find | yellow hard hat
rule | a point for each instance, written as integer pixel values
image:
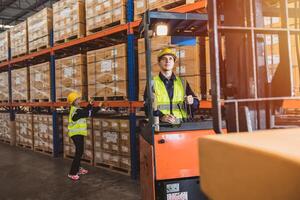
(167, 51)
(72, 97)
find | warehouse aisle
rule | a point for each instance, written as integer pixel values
(28, 175)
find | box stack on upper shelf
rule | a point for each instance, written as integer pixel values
(68, 20)
(20, 84)
(103, 14)
(40, 82)
(69, 147)
(112, 144)
(140, 6)
(39, 28)
(187, 64)
(19, 39)
(3, 87)
(4, 45)
(24, 131)
(6, 129)
(107, 73)
(71, 76)
(43, 133)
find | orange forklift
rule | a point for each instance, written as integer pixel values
(250, 58)
(169, 161)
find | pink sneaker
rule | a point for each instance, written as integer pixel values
(82, 171)
(74, 177)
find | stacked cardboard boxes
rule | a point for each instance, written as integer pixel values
(20, 84)
(24, 130)
(187, 64)
(107, 72)
(43, 133)
(4, 45)
(71, 76)
(140, 6)
(69, 147)
(5, 128)
(100, 14)
(4, 87)
(68, 20)
(19, 39)
(112, 144)
(40, 82)
(39, 27)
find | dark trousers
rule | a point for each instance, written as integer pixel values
(79, 145)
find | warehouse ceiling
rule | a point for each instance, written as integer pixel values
(13, 12)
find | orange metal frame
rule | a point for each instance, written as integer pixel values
(178, 156)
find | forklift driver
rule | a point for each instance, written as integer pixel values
(174, 96)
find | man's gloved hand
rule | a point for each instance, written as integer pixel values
(189, 99)
(169, 119)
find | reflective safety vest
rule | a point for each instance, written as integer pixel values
(78, 127)
(163, 101)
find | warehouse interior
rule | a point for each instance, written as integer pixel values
(240, 59)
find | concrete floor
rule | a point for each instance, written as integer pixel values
(28, 175)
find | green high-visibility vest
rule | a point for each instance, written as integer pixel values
(78, 127)
(163, 101)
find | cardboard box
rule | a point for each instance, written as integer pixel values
(4, 86)
(39, 28)
(4, 45)
(40, 81)
(71, 76)
(20, 84)
(68, 20)
(19, 39)
(260, 165)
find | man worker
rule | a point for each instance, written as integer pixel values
(171, 92)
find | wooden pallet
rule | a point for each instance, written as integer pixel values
(25, 146)
(43, 151)
(20, 101)
(20, 55)
(100, 28)
(5, 141)
(3, 101)
(113, 168)
(39, 48)
(73, 37)
(40, 100)
(109, 98)
(61, 99)
(71, 157)
(4, 60)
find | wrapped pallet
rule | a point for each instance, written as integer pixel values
(20, 84)
(4, 45)
(40, 82)
(19, 39)
(39, 28)
(100, 14)
(68, 20)
(112, 144)
(43, 133)
(24, 130)
(4, 87)
(71, 76)
(6, 130)
(187, 64)
(69, 147)
(107, 73)
(140, 6)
